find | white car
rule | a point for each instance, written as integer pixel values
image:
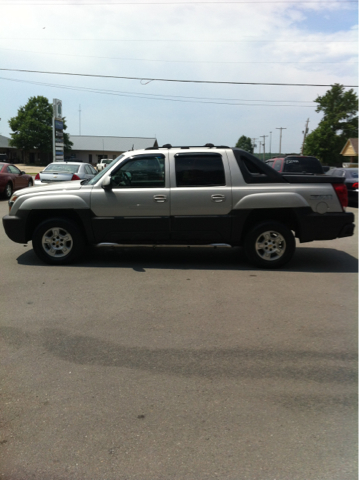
(103, 164)
(64, 172)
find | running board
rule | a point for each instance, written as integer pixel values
(215, 245)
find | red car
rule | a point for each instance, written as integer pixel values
(11, 179)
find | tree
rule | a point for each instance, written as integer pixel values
(339, 123)
(32, 127)
(245, 143)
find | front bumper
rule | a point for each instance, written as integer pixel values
(15, 226)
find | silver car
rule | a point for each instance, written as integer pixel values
(64, 172)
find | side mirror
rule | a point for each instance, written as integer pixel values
(107, 184)
(22, 173)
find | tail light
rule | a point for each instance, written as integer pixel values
(75, 177)
(342, 193)
(37, 177)
(355, 186)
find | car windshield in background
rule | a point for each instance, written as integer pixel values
(63, 168)
(352, 172)
(97, 177)
(301, 164)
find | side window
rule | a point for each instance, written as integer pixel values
(277, 165)
(141, 172)
(12, 169)
(199, 170)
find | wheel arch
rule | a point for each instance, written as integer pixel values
(81, 217)
(286, 216)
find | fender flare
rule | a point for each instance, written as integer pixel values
(271, 200)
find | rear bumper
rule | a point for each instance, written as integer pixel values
(316, 226)
(15, 227)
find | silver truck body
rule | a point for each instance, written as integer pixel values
(114, 208)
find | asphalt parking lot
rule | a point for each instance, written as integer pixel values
(179, 363)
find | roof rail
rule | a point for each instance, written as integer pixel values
(168, 146)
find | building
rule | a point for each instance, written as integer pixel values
(8, 154)
(92, 149)
(86, 148)
(351, 150)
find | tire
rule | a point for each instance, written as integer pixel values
(269, 245)
(58, 241)
(30, 184)
(8, 191)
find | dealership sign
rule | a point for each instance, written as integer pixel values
(57, 131)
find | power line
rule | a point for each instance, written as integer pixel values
(145, 79)
(173, 98)
(325, 2)
(43, 39)
(349, 62)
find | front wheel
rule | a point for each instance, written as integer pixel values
(8, 191)
(58, 241)
(269, 245)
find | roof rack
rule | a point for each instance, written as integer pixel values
(168, 146)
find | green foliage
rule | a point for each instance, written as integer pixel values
(245, 143)
(339, 123)
(32, 127)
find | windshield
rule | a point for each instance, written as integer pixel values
(352, 172)
(62, 167)
(97, 177)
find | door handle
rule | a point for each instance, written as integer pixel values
(160, 198)
(217, 198)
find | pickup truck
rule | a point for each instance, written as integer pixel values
(103, 164)
(182, 196)
(296, 164)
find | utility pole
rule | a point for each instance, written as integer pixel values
(79, 119)
(270, 144)
(305, 134)
(280, 138)
(264, 146)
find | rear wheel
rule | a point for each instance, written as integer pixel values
(58, 241)
(269, 245)
(31, 183)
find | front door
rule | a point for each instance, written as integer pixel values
(137, 207)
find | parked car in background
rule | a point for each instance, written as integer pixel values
(64, 172)
(351, 181)
(12, 179)
(103, 164)
(296, 164)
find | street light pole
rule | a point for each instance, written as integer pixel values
(280, 138)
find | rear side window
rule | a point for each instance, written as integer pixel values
(277, 165)
(196, 170)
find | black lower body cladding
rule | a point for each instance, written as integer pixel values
(327, 226)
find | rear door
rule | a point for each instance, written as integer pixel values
(201, 197)
(18, 179)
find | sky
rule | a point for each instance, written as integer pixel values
(236, 46)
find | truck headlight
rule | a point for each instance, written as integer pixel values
(12, 201)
